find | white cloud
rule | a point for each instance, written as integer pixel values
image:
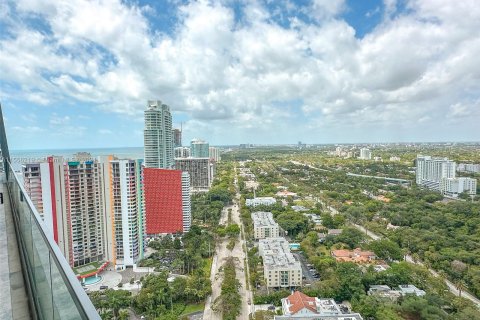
(245, 73)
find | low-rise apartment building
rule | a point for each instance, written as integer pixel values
(281, 269)
(264, 226)
(259, 201)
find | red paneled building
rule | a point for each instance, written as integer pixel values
(167, 201)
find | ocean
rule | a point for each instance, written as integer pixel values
(19, 157)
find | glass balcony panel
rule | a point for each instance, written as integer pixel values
(43, 285)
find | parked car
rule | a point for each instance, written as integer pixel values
(103, 287)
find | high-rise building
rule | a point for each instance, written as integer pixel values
(158, 140)
(45, 185)
(177, 138)
(93, 208)
(199, 149)
(124, 211)
(431, 171)
(200, 170)
(167, 201)
(214, 154)
(365, 154)
(182, 152)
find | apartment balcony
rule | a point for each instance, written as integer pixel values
(36, 280)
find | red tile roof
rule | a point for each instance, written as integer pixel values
(299, 300)
(356, 255)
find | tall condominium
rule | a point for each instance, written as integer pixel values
(71, 202)
(182, 152)
(93, 208)
(83, 182)
(199, 149)
(214, 154)
(177, 138)
(124, 211)
(431, 171)
(45, 184)
(158, 140)
(200, 170)
(167, 201)
(365, 154)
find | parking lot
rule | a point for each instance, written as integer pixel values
(310, 275)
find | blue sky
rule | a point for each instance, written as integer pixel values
(78, 73)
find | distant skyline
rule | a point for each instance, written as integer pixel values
(78, 74)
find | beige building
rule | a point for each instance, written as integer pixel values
(281, 269)
(264, 226)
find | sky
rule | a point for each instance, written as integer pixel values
(78, 74)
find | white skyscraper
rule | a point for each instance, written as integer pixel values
(365, 154)
(158, 138)
(124, 211)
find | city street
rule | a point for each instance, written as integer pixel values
(219, 258)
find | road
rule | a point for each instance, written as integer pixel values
(453, 289)
(218, 259)
(221, 253)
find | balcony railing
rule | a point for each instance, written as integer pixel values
(52, 288)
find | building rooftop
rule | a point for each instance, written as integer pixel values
(276, 254)
(300, 306)
(263, 219)
(357, 255)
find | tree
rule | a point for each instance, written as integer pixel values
(117, 299)
(177, 244)
(232, 230)
(386, 249)
(352, 237)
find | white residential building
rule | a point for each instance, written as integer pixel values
(281, 269)
(454, 186)
(214, 154)
(182, 152)
(258, 201)
(365, 154)
(394, 158)
(431, 171)
(125, 223)
(264, 226)
(468, 167)
(186, 202)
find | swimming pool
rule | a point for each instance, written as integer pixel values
(92, 280)
(294, 246)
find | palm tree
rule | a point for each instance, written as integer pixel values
(461, 286)
(123, 315)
